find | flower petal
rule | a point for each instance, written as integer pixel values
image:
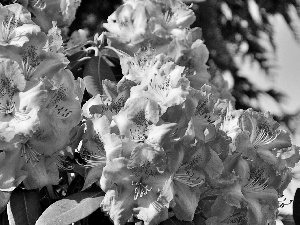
(186, 199)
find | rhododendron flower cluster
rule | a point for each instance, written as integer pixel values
(164, 141)
(40, 101)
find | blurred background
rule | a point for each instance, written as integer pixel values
(254, 44)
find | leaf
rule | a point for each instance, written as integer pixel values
(95, 71)
(174, 221)
(24, 207)
(77, 60)
(4, 198)
(71, 209)
(3, 218)
(214, 167)
(93, 176)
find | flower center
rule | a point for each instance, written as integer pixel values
(263, 136)
(8, 25)
(29, 153)
(140, 132)
(140, 189)
(8, 108)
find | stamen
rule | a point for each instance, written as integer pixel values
(8, 108)
(41, 5)
(237, 218)
(256, 181)
(91, 160)
(158, 206)
(30, 154)
(188, 179)
(140, 189)
(62, 163)
(263, 137)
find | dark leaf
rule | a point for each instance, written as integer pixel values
(71, 209)
(4, 198)
(24, 207)
(77, 60)
(174, 221)
(95, 71)
(3, 218)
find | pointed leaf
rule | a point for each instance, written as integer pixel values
(93, 175)
(77, 60)
(174, 221)
(4, 198)
(95, 71)
(24, 207)
(3, 218)
(71, 209)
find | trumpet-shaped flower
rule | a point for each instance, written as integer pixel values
(169, 16)
(128, 25)
(203, 109)
(62, 11)
(188, 174)
(189, 51)
(112, 102)
(260, 135)
(136, 23)
(136, 117)
(252, 190)
(38, 58)
(59, 114)
(11, 83)
(134, 191)
(15, 24)
(165, 85)
(10, 174)
(93, 147)
(42, 173)
(65, 97)
(229, 123)
(138, 67)
(22, 118)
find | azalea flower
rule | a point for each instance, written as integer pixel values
(229, 123)
(253, 190)
(62, 11)
(172, 15)
(188, 174)
(10, 174)
(137, 67)
(15, 24)
(36, 58)
(111, 102)
(12, 82)
(260, 135)
(189, 51)
(19, 116)
(165, 85)
(137, 23)
(128, 24)
(134, 191)
(202, 109)
(139, 121)
(65, 96)
(92, 150)
(77, 39)
(43, 172)
(50, 111)
(58, 116)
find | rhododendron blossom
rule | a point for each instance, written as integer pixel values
(133, 119)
